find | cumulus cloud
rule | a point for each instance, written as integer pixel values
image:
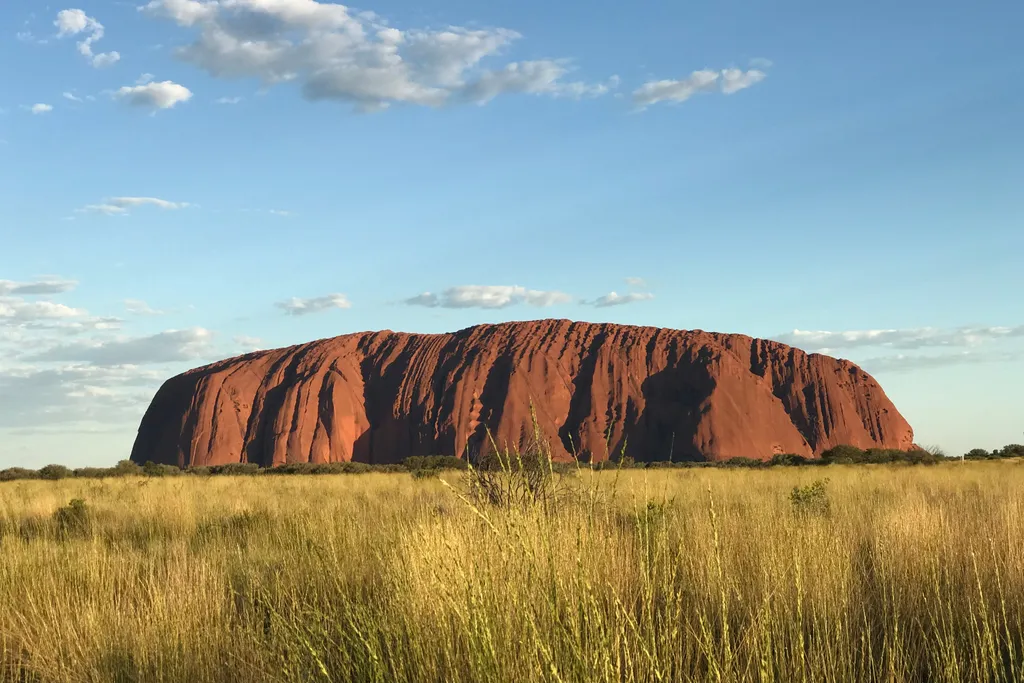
(164, 347)
(616, 299)
(19, 311)
(154, 95)
(337, 54)
(68, 396)
(727, 81)
(912, 338)
(488, 296)
(119, 206)
(73, 22)
(43, 286)
(63, 369)
(23, 321)
(41, 108)
(297, 306)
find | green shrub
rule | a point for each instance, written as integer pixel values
(55, 472)
(16, 473)
(93, 472)
(125, 468)
(152, 469)
(236, 469)
(741, 462)
(843, 454)
(787, 460)
(811, 500)
(1013, 450)
(74, 519)
(390, 468)
(434, 462)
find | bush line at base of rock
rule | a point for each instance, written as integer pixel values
(428, 465)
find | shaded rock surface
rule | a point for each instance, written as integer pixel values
(597, 390)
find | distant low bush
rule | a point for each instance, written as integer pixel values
(787, 460)
(852, 455)
(55, 472)
(236, 469)
(152, 469)
(434, 462)
(837, 455)
(741, 462)
(16, 473)
(93, 472)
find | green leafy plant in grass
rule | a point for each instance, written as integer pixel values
(811, 500)
(73, 519)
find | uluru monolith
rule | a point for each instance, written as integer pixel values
(597, 390)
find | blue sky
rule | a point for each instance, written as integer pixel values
(185, 180)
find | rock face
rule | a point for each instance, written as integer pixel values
(596, 389)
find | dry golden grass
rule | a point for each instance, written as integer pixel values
(916, 574)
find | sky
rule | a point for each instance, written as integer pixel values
(186, 180)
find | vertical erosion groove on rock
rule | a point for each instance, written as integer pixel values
(597, 390)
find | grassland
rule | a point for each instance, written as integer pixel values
(908, 574)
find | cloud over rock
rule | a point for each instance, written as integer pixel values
(335, 53)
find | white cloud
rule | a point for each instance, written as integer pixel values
(184, 12)
(62, 369)
(907, 363)
(761, 63)
(636, 282)
(734, 80)
(542, 77)
(72, 395)
(119, 206)
(488, 296)
(164, 347)
(249, 344)
(297, 306)
(727, 81)
(138, 307)
(154, 95)
(19, 311)
(43, 286)
(41, 108)
(147, 201)
(913, 338)
(72, 22)
(337, 54)
(72, 97)
(280, 212)
(29, 37)
(228, 100)
(615, 299)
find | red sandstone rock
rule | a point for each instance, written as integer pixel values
(379, 397)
